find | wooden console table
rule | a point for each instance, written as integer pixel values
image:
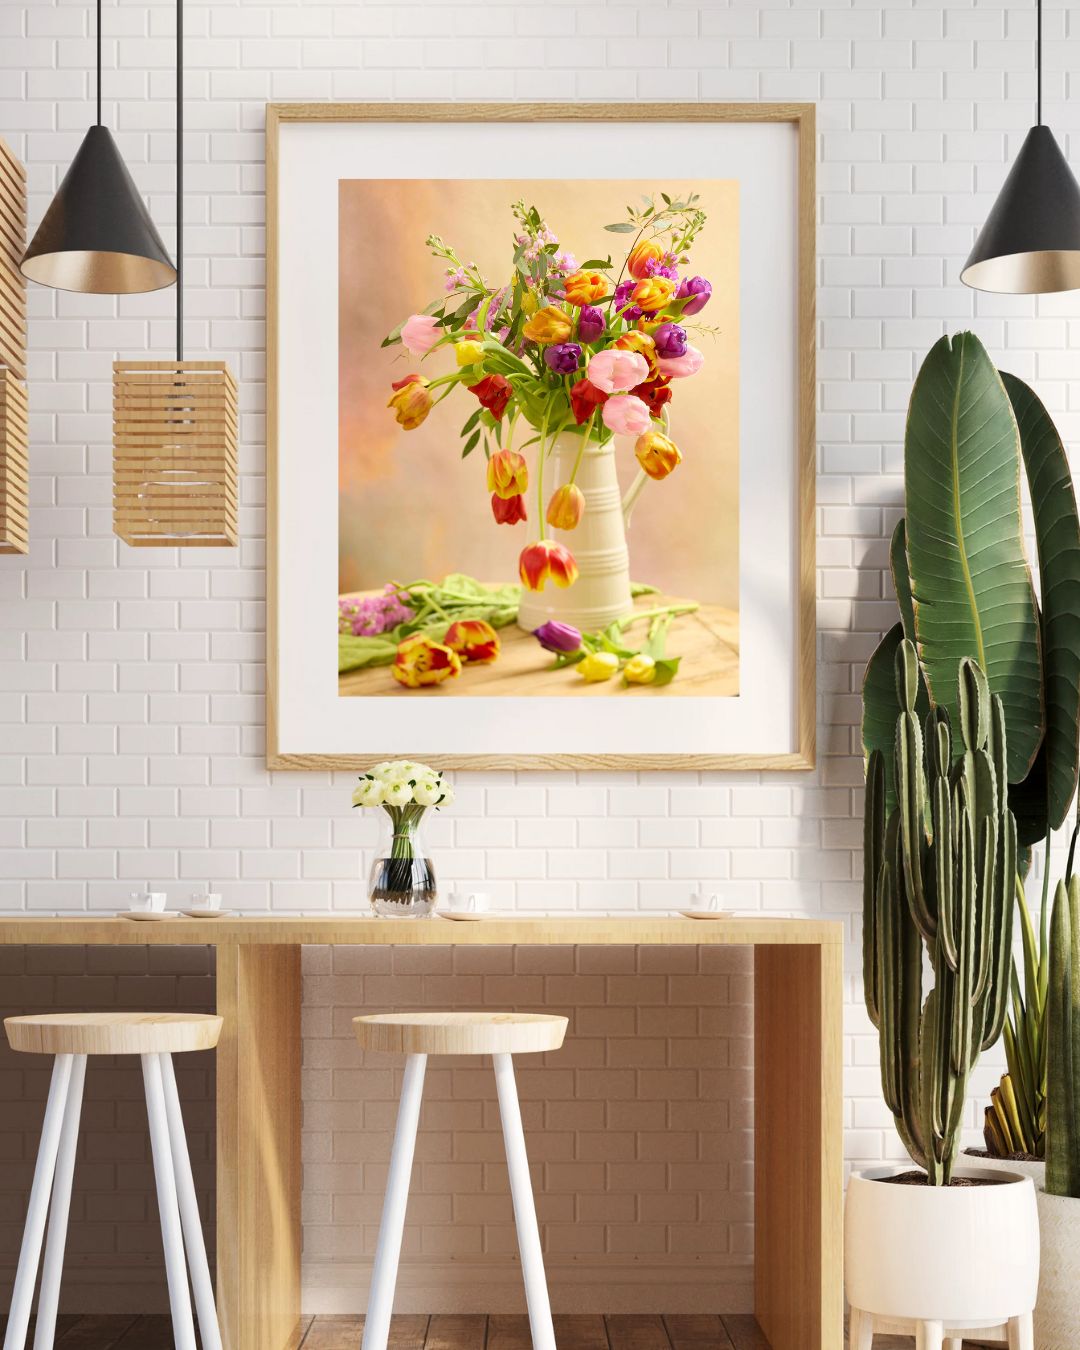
(798, 1183)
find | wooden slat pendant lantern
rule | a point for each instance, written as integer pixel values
(14, 412)
(174, 453)
(175, 423)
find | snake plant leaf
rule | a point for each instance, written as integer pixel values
(971, 586)
(1057, 534)
(881, 708)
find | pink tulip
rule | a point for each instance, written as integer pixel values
(626, 415)
(419, 333)
(612, 370)
(678, 367)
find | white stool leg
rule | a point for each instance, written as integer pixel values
(860, 1330)
(22, 1295)
(929, 1335)
(171, 1233)
(1021, 1333)
(517, 1164)
(53, 1265)
(392, 1226)
(189, 1212)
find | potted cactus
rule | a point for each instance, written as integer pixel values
(1057, 1314)
(943, 1248)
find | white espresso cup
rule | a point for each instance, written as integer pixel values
(709, 903)
(476, 902)
(141, 901)
(207, 900)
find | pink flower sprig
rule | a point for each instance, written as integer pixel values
(372, 615)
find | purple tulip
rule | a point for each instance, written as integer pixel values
(590, 324)
(563, 357)
(558, 637)
(622, 295)
(699, 289)
(670, 340)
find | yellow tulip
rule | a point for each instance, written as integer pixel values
(597, 666)
(566, 507)
(548, 325)
(641, 255)
(653, 293)
(469, 352)
(657, 454)
(640, 669)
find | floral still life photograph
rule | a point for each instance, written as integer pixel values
(538, 448)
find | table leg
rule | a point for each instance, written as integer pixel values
(258, 1146)
(798, 1168)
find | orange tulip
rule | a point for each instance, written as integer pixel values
(653, 293)
(647, 251)
(411, 401)
(421, 662)
(566, 507)
(508, 474)
(546, 561)
(474, 640)
(585, 288)
(657, 454)
(641, 343)
(548, 325)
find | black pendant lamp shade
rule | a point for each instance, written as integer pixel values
(1030, 244)
(97, 235)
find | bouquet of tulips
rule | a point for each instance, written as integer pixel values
(591, 349)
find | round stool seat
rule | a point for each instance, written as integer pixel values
(113, 1033)
(460, 1033)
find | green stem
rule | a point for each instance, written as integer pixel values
(540, 470)
(673, 610)
(584, 443)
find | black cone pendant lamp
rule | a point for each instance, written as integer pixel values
(1030, 244)
(97, 236)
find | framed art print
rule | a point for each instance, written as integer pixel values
(541, 435)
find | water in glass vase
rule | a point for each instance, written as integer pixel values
(402, 883)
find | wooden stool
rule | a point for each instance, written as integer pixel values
(417, 1035)
(154, 1037)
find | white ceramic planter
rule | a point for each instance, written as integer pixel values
(601, 594)
(941, 1260)
(1057, 1310)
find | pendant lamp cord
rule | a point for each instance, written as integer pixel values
(1038, 62)
(179, 179)
(99, 62)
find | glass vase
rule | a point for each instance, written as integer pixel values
(401, 884)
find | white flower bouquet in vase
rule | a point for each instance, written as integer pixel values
(401, 883)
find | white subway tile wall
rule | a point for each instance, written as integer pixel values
(131, 683)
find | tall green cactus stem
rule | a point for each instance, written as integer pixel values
(1063, 1047)
(940, 872)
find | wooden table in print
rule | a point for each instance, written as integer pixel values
(706, 641)
(798, 1185)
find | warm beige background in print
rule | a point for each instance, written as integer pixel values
(410, 506)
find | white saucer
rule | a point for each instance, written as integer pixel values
(465, 915)
(706, 913)
(206, 913)
(145, 915)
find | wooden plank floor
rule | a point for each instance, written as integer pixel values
(459, 1332)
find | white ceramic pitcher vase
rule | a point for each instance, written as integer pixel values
(601, 593)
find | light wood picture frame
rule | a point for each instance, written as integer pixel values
(308, 727)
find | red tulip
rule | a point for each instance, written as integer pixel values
(654, 394)
(474, 640)
(585, 398)
(508, 510)
(494, 393)
(546, 561)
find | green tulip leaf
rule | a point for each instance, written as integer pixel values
(1057, 534)
(971, 586)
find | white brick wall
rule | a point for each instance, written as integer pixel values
(131, 704)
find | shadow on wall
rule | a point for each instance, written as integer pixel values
(113, 1260)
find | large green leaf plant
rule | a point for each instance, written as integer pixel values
(965, 591)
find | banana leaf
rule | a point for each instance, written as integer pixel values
(971, 586)
(901, 580)
(1057, 533)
